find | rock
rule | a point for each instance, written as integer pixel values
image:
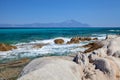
(108, 65)
(39, 45)
(115, 65)
(81, 59)
(74, 40)
(49, 68)
(92, 57)
(113, 46)
(78, 39)
(17, 63)
(89, 45)
(101, 52)
(85, 39)
(111, 36)
(58, 41)
(5, 47)
(90, 73)
(11, 70)
(10, 73)
(93, 46)
(102, 62)
(103, 65)
(95, 38)
(116, 54)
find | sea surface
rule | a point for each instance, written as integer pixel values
(24, 39)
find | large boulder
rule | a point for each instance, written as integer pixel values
(58, 41)
(6, 47)
(49, 68)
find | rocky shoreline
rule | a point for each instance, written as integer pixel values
(101, 60)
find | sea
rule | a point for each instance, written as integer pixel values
(26, 38)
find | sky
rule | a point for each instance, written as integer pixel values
(98, 13)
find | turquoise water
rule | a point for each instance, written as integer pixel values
(26, 35)
(26, 39)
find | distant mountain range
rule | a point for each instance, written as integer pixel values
(68, 23)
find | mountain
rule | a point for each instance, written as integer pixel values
(68, 23)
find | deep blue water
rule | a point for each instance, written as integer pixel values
(27, 35)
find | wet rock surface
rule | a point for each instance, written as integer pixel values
(74, 40)
(6, 47)
(39, 45)
(11, 70)
(92, 46)
(58, 41)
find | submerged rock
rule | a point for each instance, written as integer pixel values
(6, 47)
(11, 70)
(39, 45)
(58, 41)
(17, 63)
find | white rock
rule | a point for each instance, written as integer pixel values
(81, 59)
(51, 69)
(113, 46)
(111, 36)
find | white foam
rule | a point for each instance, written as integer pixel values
(27, 50)
(48, 41)
(99, 36)
(114, 30)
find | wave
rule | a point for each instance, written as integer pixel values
(114, 30)
(27, 50)
(99, 36)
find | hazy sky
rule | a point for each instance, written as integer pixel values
(93, 12)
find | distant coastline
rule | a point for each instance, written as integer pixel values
(49, 27)
(68, 23)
